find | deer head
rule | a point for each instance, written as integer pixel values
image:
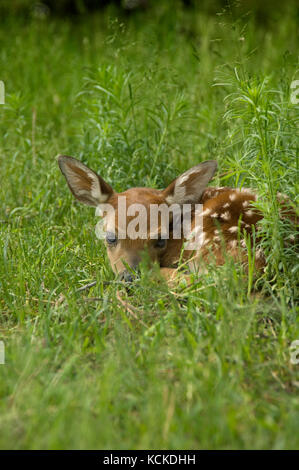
(132, 211)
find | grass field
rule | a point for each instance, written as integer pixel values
(140, 98)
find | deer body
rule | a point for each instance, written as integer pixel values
(227, 213)
(227, 216)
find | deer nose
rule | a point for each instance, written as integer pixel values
(128, 276)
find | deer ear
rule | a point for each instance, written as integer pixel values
(188, 188)
(88, 187)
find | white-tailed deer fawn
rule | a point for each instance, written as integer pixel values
(227, 215)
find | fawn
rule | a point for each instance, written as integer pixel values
(227, 215)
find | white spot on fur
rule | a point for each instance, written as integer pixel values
(233, 229)
(226, 205)
(249, 213)
(233, 196)
(214, 215)
(226, 215)
(233, 243)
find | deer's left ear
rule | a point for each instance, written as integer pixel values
(188, 188)
(88, 187)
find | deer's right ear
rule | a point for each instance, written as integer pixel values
(189, 187)
(88, 187)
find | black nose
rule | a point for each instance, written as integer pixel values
(127, 276)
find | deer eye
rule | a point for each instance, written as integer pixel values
(160, 243)
(111, 238)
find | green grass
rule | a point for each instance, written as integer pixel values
(140, 99)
